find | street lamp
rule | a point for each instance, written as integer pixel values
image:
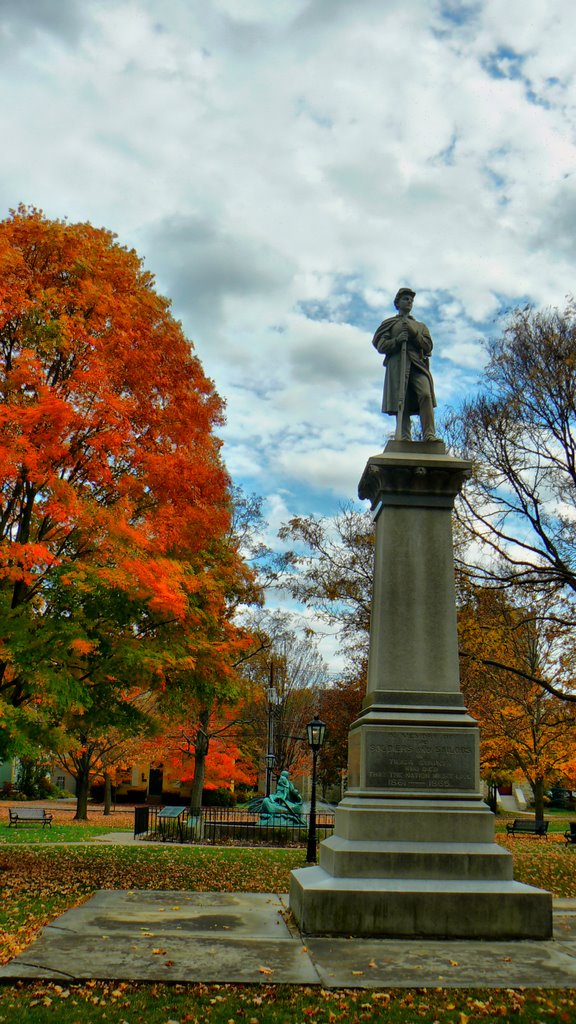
(272, 700)
(315, 734)
(270, 758)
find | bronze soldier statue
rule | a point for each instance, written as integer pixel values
(408, 386)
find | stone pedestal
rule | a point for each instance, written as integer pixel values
(413, 852)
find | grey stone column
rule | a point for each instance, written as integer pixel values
(413, 639)
(431, 745)
(413, 850)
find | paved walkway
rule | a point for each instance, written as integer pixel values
(249, 938)
(118, 839)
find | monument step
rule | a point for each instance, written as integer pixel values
(441, 860)
(410, 820)
(418, 907)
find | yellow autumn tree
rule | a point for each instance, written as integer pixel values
(508, 652)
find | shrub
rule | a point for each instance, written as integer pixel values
(218, 798)
(33, 778)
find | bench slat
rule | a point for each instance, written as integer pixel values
(535, 828)
(31, 814)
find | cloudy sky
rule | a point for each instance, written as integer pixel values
(283, 166)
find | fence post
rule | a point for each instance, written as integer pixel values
(140, 820)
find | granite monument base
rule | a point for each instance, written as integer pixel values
(418, 908)
(413, 853)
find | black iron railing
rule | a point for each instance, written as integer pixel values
(224, 826)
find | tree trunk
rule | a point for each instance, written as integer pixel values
(201, 744)
(539, 798)
(198, 783)
(492, 800)
(82, 787)
(82, 764)
(107, 793)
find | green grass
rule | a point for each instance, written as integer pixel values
(558, 822)
(232, 1004)
(80, 833)
(560, 812)
(39, 884)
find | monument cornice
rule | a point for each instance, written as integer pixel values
(413, 473)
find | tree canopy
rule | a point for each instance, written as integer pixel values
(517, 514)
(330, 569)
(116, 558)
(520, 433)
(523, 728)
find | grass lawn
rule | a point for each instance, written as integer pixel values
(39, 883)
(64, 829)
(121, 817)
(122, 1003)
(77, 832)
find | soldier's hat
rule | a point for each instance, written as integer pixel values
(403, 291)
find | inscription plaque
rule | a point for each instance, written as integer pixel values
(398, 759)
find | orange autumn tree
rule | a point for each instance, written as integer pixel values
(204, 750)
(197, 738)
(232, 725)
(191, 733)
(116, 565)
(507, 652)
(339, 706)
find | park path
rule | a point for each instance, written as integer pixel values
(143, 935)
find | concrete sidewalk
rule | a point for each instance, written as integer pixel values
(249, 938)
(118, 839)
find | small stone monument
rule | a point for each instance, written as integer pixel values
(413, 851)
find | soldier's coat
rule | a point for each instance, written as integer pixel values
(419, 347)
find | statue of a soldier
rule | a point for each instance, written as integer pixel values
(408, 386)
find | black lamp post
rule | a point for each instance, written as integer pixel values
(272, 698)
(270, 758)
(315, 734)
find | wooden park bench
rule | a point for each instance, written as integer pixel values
(527, 826)
(570, 834)
(30, 814)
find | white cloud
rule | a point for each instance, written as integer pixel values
(34, 21)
